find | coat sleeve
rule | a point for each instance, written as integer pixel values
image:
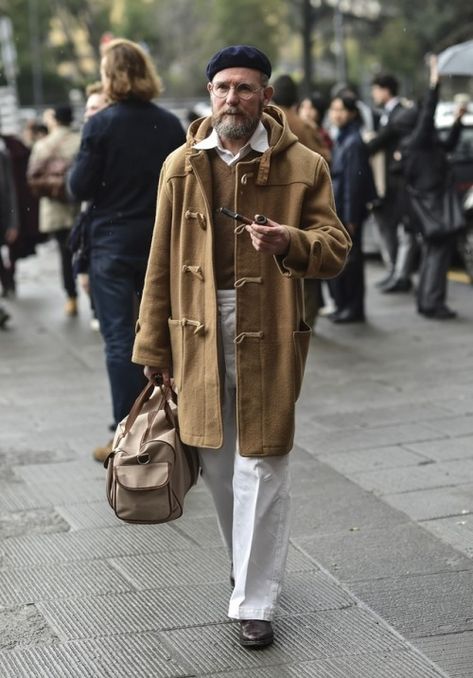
(320, 246)
(152, 342)
(385, 136)
(87, 170)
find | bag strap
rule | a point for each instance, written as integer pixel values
(166, 394)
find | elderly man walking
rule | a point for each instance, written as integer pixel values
(222, 311)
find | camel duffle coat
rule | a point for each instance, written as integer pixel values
(178, 321)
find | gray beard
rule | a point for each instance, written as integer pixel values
(233, 130)
(226, 126)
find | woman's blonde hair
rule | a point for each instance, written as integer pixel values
(129, 71)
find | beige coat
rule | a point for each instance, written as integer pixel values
(64, 143)
(177, 324)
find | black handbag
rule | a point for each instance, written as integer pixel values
(437, 214)
(78, 244)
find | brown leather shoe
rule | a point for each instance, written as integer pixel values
(101, 453)
(70, 307)
(255, 633)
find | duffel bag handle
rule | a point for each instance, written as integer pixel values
(145, 395)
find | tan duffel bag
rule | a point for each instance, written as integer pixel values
(150, 470)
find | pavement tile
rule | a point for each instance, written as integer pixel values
(305, 592)
(24, 626)
(316, 513)
(456, 531)
(66, 472)
(52, 493)
(372, 459)
(374, 417)
(151, 610)
(446, 449)
(454, 651)
(140, 656)
(355, 439)
(172, 568)
(32, 521)
(406, 479)
(387, 665)
(88, 516)
(201, 531)
(371, 554)
(90, 544)
(30, 585)
(422, 605)
(432, 503)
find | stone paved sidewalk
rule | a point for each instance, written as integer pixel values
(380, 576)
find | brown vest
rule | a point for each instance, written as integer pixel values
(223, 184)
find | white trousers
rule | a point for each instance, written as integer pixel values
(251, 496)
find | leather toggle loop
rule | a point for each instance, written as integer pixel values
(243, 281)
(195, 270)
(201, 219)
(193, 323)
(247, 335)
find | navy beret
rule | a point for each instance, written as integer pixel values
(238, 56)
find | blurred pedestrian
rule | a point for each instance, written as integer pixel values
(428, 175)
(117, 170)
(96, 100)
(33, 131)
(312, 110)
(8, 214)
(398, 246)
(24, 244)
(353, 189)
(57, 215)
(286, 97)
(222, 310)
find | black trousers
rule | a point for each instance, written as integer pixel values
(62, 237)
(435, 261)
(348, 288)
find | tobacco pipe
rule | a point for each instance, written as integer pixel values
(259, 218)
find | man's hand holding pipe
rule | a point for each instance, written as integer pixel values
(269, 238)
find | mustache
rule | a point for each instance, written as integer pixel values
(232, 110)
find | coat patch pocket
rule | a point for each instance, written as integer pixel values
(186, 344)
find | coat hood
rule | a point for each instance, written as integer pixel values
(280, 138)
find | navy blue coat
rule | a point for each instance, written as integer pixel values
(352, 178)
(117, 169)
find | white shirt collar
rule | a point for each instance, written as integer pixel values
(258, 142)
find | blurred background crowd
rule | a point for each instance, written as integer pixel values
(353, 77)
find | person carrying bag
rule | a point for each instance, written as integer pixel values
(434, 209)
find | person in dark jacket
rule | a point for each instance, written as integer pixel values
(398, 246)
(117, 168)
(8, 213)
(28, 237)
(426, 170)
(353, 189)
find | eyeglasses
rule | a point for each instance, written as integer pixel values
(242, 90)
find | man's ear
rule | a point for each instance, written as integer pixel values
(268, 94)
